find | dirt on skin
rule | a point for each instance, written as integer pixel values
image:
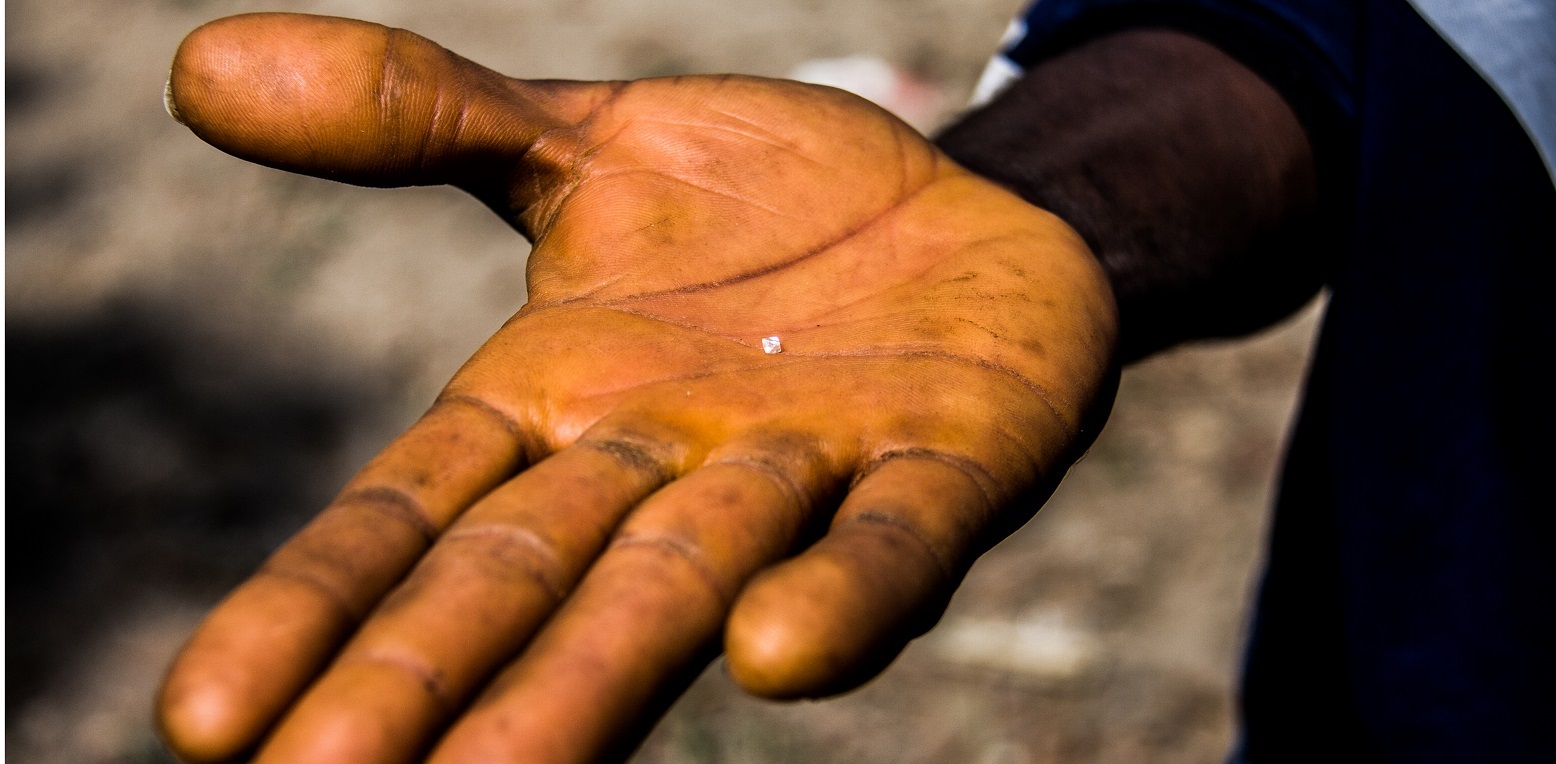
(200, 351)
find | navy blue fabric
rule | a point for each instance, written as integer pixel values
(1408, 610)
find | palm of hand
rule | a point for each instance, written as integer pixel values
(942, 344)
(696, 216)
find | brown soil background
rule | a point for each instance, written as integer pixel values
(199, 351)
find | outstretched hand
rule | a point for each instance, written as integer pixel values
(621, 475)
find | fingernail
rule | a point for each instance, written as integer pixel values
(167, 100)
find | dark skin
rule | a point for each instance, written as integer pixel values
(621, 478)
(1187, 174)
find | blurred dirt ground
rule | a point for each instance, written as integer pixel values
(200, 351)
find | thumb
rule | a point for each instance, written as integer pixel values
(366, 104)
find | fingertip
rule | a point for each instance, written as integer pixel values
(205, 710)
(785, 640)
(766, 658)
(242, 667)
(211, 57)
(370, 709)
(832, 618)
(287, 90)
(196, 722)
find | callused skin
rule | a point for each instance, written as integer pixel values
(621, 475)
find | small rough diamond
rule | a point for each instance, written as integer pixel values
(771, 345)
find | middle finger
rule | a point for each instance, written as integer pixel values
(640, 616)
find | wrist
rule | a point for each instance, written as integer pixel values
(1187, 175)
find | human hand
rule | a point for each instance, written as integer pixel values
(621, 475)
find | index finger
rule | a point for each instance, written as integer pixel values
(267, 640)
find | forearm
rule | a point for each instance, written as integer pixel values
(1188, 175)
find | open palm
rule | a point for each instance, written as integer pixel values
(621, 475)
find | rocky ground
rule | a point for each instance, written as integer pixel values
(200, 351)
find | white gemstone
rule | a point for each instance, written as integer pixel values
(771, 345)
